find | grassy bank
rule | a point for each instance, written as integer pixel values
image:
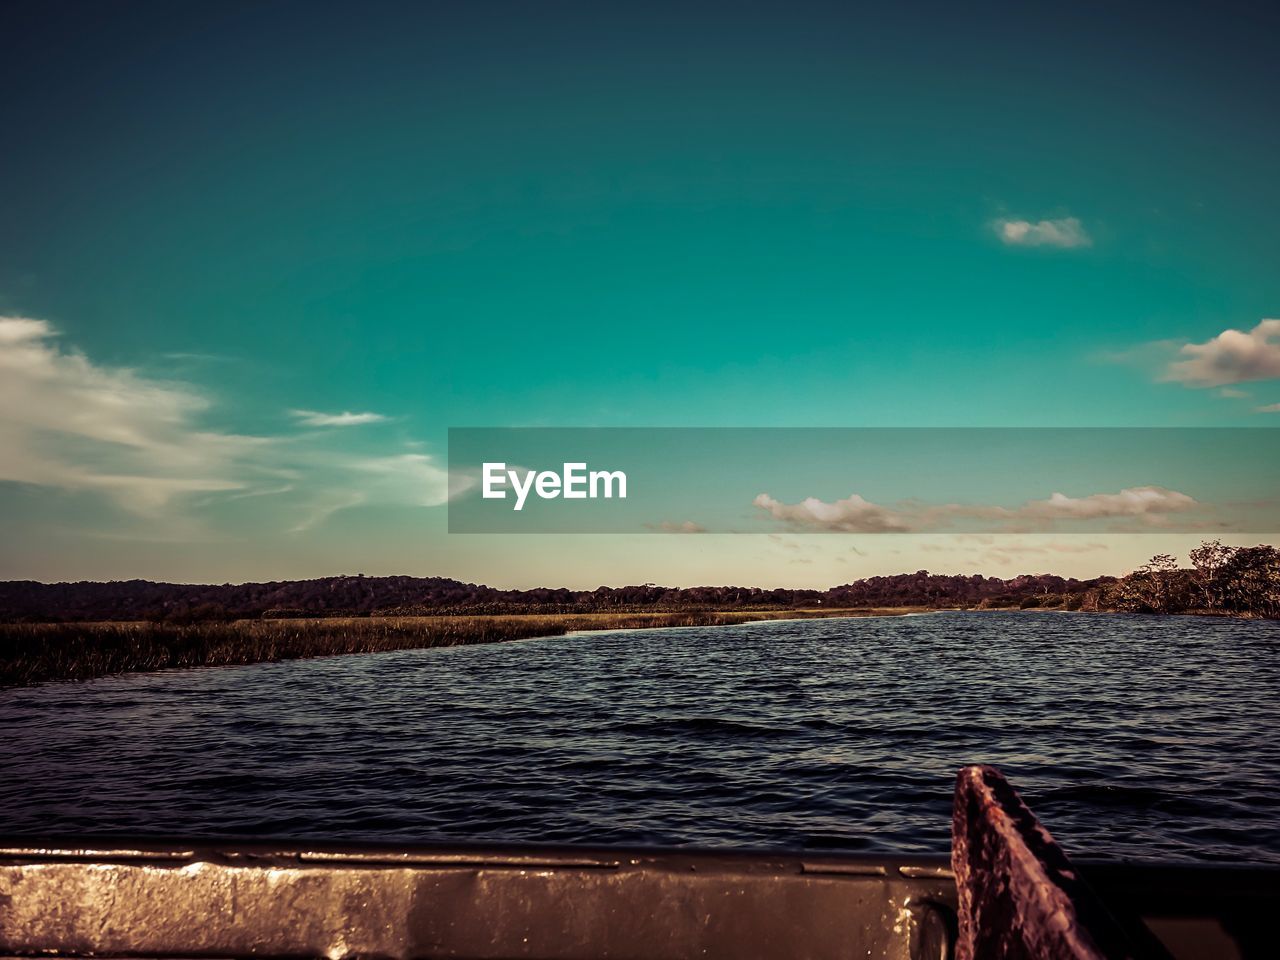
(37, 653)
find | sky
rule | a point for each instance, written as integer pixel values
(256, 259)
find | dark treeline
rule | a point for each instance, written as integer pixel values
(31, 601)
(1221, 579)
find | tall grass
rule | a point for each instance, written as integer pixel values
(36, 653)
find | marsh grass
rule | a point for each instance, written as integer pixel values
(37, 653)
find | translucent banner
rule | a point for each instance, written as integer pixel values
(864, 480)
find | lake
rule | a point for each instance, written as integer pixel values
(1151, 738)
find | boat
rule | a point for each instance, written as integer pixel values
(1007, 891)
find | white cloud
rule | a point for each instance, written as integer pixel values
(413, 478)
(406, 479)
(1269, 408)
(851, 515)
(314, 418)
(66, 422)
(1233, 356)
(18, 330)
(1232, 394)
(1149, 505)
(1067, 232)
(1143, 502)
(71, 424)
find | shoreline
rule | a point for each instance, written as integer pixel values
(33, 654)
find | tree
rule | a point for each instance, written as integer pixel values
(1208, 561)
(1158, 586)
(1251, 581)
(1160, 571)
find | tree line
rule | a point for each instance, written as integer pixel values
(355, 596)
(1221, 579)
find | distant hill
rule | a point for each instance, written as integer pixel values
(31, 601)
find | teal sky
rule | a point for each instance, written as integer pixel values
(603, 215)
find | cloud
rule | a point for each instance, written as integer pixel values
(1067, 233)
(1025, 548)
(1002, 549)
(1007, 554)
(66, 422)
(851, 515)
(194, 357)
(1269, 408)
(1233, 356)
(406, 479)
(1146, 502)
(146, 446)
(19, 330)
(667, 526)
(1233, 394)
(314, 418)
(1150, 505)
(1150, 355)
(1030, 548)
(412, 478)
(322, 508)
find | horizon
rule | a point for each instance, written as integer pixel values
(541, 586)
(599, 586)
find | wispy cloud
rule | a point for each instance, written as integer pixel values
(197, 357)
(1005, 555)
(1233, 356)
(1004, 550)
(1269, 408)
(1152, 355)
(148, 445)
(1001, 544)
(321, 508)
(669, 526)
(66, 422)
(314, 418)
(1149, 505)
(1067, 232)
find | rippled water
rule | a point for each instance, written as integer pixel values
(1152, 738)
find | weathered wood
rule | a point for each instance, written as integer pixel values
(1019, 896)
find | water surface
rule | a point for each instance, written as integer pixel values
(1150, 738)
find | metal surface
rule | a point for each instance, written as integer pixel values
(288, 900)
(270, 900)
